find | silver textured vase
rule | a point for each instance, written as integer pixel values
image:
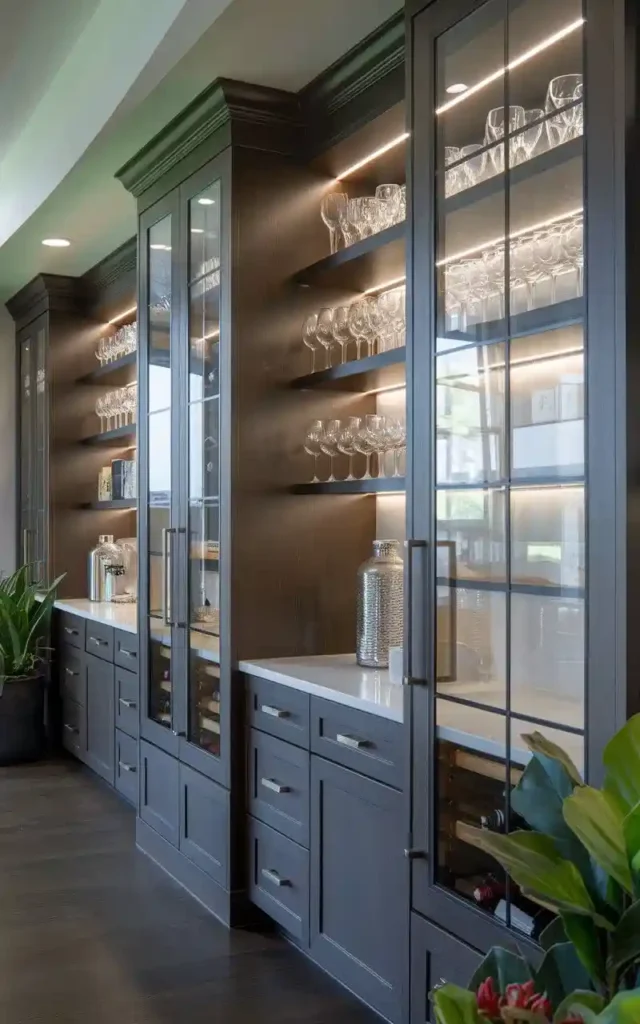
(380, 605)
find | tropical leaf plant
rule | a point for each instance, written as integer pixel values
(25, 617)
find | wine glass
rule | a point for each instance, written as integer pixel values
(391, 196)
(309, 338)
(349, 221)
(101, 411)
(372, 212)
(501, 121)
(474, 167)
(331, 208)
(451, 177)
(562, 91)
(324, 331)
(374, 424)
(455, 286)
(377, 321)
(396, 434)
(130, 402)
(402, 213)
(494, 266)
(363, 444)
(312, 446)
(341, 330)
(101, 351)
(573, 246)
(329, 443)
(345, 441)
(547, 254)
(526, 141)
(524, 267)
(359, 322)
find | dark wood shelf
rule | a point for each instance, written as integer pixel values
(366, 264)
(117, 372)
(385, 370)
(534, 321)
(377, 485)
(112, 437)
(104, 506)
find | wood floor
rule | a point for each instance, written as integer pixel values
(92, 932)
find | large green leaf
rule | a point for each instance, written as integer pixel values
(578, 1002)
(583, 933)
(505, 967)
(597, 820)
(623, 1009)
(534, 863)
(539, 744)
(624, 941)
(560, 973)
(622, 762)
(454, 1005)
(631, 830)
(553, 934)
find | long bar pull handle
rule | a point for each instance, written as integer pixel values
(127, 703)
(411, 546)
(274, 786)
(274, 877)
(267, 709)
(166, 575)
(351, 741)
(124, 767)
(25, 546)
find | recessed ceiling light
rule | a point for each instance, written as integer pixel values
(197, 231)
(56, 243)
(158, 245)
(456, 88)
(205, 201)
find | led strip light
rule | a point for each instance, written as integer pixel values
(516, 234)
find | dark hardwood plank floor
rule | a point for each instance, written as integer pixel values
(92, 931)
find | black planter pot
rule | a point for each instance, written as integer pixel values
(22, 720)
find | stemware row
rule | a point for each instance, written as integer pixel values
(525, 128)
(373, 323)
(475, 286)
(119, 405)
(350, 220)
(368, 436)
(120, 344)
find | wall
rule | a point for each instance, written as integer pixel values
(7, 443)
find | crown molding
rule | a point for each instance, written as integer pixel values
(46, 293)
(121, 261)
(266, 118)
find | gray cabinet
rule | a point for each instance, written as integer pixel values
(359, 916)
(74, 728)
(100, 712)
(436, 956)
(126, 767)
(279, 785)
(204, 823)
(33, 464)
(279, 879)
(160, 792)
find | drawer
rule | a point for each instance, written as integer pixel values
(279, 785)
(127, 702)
(99, 640)
(125, 649)
(279, 710)
(74, 728)
(366, 743)
(71, 629)
(279, 879)
(73, 674)
(127, 766)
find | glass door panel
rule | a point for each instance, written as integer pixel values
(27, 479)
(508, 365)
(203, 726)
(159, 487)
(40, 551)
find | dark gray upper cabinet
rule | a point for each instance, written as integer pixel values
(33, 462)
(359, 919)
(100, 712)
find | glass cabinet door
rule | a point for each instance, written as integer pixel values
(27, 479)
(203, 726)
(507, 343)
(40, 550)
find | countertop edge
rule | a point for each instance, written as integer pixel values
(93, 615)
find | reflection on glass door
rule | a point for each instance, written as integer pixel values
(204, 470)
(40, 550)
(159, 472)
(27, 480)
(509, 421)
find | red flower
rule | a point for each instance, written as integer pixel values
(540, 1004)
(519, 996)
(488, 999)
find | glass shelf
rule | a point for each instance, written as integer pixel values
(377, 259)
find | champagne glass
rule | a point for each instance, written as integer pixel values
(309, 338)
(359, 322)
(329, 444)
(312, 446)
(331, 208)
(324, 331)
(341, 330)
(345, 441)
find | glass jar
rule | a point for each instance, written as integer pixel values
(380, 605)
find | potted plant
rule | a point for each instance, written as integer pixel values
(581, 860)
(25, 616)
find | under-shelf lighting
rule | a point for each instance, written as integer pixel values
(515, 234)
(373, 156)
(386, 390)
(515, 63)
(121, 316)
(386, 286)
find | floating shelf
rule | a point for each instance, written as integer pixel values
(112, 437)
(372, 261)
(106, 505)
(534, 321)
(381, 371)
(377, 485)
(117, 372)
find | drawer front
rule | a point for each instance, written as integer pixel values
(99, 641)
(160, 792)
(73, 675)
(72, 629)
(279, 785)
(204, 824)
(125, 649)
(279, 710)
(74, 728)
(127, 766)
(279, 879)
(127, 702)
(366, 743)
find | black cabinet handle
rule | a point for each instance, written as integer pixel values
(126, 767)
(352, 741)
(267, 709)
(127, 703)
(274, 877)
(71, 632)
(274, 786)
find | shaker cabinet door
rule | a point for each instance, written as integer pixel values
(359, 885)
(100, 712)
(435, 957)
(160, 792)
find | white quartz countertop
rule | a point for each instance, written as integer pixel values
(335, 677)
(121, 616)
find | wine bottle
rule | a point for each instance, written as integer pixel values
(489, 893)
(496, 821)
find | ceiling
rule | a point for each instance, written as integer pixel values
(279, 43)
